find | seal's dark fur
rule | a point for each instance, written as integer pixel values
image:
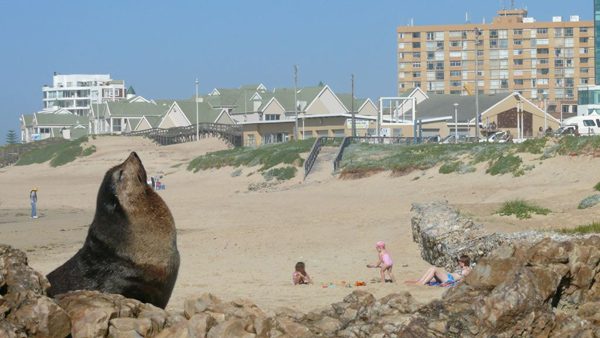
(131, 246)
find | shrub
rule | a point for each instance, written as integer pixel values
(281, 174)
(583, 229)
(521, 209)
(58, 153)
(450, 167)
(533, 146)
(589, 202)
(506, 164)
(597, 186)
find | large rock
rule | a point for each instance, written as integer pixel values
(549, 288)
(443, 234)
(24, 308)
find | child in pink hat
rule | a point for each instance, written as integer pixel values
(385, 263)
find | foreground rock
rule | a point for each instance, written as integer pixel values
(550, 288)
(443, 234)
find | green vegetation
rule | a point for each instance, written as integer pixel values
(572, 145)
(281, 174)
(450, 167)
(532, 146)
(506, 164)
(11, 137)
(592, 228)
(266, 156)
(521, 209)
(58, 153)
(589, 202)
(597, 186)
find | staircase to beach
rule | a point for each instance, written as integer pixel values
(322, 169)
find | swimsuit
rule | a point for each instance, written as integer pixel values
(386, 259)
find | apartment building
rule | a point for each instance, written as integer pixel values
(543, 61)
(76, 92)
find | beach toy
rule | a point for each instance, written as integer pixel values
(360, 283)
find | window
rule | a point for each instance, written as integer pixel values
(430, 36)
(589, 123)
(541, 42)
(583, 40)
(583, 29)
(569, 31)
(455, 43)
(416, 74)
(584, 70)
(455, 83)
(44, 130)
(583, 50)
(493, 43)
(455, 54)
(518, 62)
(518, 82)
(493, 34)
(542, 51)
(503, 43)
(544, 71)
(439, 75)
(416, 55)
(416, 65)
(455, 63)
(275, 138)
(272, 117)
(400, 36)
(518, 42)
(503, 34)
(583, 60)
(455, 34)
(558, 32)
(542, 31)
(455, 73)
(416, 35)
(517, 32)
(400, 56)
(401, 45)
(416, 45)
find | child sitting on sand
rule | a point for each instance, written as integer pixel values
(439, 276)
(300, 276)
(384, 263)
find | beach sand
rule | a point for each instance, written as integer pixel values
(238, 243)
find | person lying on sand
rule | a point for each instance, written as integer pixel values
(300, 276)
(440, 276)
(385, 263)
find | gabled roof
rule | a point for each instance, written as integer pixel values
(59, 119)
(347, 101)
(154, 121)
(27, 119)
(134, 109)
(130, 91)
(439, 105)
(205, 112)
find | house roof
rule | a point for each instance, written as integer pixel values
(439, 105)
(153, 120)
(28, 119)
(60, 119)
(347, 101)
(130, 91)
(135, 109)
(205, 111)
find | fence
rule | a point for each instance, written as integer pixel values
(227, 132)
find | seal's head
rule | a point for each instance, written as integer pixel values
(123, 184)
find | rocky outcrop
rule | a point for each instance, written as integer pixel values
(25, 311)
(550, 288)
(547, 289)
(443, 234)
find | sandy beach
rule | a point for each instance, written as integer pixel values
(236, 243)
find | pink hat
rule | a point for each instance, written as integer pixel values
(380, 244)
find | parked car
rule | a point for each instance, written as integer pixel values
(498, 137)
(586, 125)
(565, 130)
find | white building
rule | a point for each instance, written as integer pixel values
(76, 92)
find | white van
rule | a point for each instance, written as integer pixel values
(586, 125)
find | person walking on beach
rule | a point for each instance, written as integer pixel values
(384, 263)
(33, 200)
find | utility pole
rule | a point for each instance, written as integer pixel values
(353, 115)
(296, 101)
(477, 34)
(197, 124)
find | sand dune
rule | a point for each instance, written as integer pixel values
(240, 243)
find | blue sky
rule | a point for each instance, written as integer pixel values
(160, 47)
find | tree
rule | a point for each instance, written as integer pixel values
(11, 137)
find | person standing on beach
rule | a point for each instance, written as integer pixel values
(33, 200)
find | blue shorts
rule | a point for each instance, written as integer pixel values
(450, 278)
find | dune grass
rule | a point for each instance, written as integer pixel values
(592, 228)
(521, 209)
(59, 153)
(280, 174)
(506, 164)
(266, 156)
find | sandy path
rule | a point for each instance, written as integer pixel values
(239, 243)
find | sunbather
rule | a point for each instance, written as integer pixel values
(440, 276)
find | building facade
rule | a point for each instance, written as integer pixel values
(76, 92)
(543, 61)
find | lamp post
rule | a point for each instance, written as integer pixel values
(546, 111)
(477, 34)
(352, 108)
(197, 124)
(296, 102)
(455, 122)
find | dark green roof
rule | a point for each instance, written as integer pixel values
(49, 119)
(347, 101)
(439, 105)
(154, 120)
(135, 109)
(205, 112)
(28, 119)
(130, 91)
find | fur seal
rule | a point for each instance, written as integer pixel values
(131, 245)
